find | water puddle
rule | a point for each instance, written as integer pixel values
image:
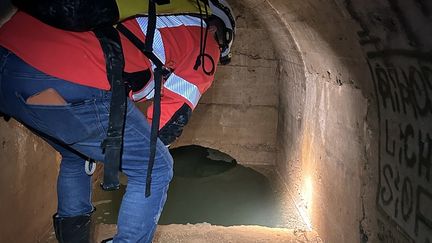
(208, 186)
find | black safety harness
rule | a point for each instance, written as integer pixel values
(112, 145)
(111, 45)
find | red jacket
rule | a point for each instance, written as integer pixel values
(77, 56)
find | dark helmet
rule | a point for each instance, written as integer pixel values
(226, 32)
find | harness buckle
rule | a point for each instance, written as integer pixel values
(114, 142)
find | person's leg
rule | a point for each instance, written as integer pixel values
(81, 124)
(135, 206)
(138, 215)
(72, 222)
(74, 186)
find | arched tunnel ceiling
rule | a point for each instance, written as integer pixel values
(353, 83)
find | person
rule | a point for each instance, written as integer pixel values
(55, 82)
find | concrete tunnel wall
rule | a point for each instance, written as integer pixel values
(335, 94)
(317, 56)
(320, 74)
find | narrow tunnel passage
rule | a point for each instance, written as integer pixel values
(332, 96)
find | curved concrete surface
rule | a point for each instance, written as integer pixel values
(336, 95)
(322, 81)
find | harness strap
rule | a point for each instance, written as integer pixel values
(155, 126)
(112, 145)
(159, 73)
(143, 47)
(151, 27)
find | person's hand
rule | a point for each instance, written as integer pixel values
(174, 127)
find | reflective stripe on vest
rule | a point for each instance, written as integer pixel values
(184, 88)
(174, 83)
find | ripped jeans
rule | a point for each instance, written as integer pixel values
(76, 130)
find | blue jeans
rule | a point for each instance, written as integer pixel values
(76, 130)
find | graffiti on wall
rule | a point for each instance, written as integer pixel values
(396, 36)
(403, 83)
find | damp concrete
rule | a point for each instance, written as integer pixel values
(211, 187)
(207, 233)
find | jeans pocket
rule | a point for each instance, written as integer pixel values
(70, 123)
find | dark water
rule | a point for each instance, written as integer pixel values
(208, 186)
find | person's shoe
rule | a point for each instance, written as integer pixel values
(73, 229)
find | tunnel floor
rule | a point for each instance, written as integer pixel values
(209, 187)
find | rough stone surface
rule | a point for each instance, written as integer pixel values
(28, 184)
(323, 82)
(396, 38)
(238, 114)
(236, 130)
(199, 233)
